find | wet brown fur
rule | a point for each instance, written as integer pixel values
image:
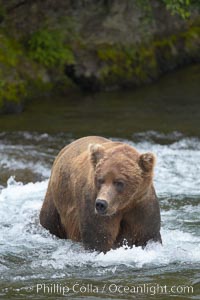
(68, 210)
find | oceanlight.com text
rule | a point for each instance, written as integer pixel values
(112, 288)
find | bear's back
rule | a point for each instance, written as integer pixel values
(77, 147)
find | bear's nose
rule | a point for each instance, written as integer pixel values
(101, 206)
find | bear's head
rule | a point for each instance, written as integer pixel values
(122, 177)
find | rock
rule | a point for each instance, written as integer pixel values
(94, 45)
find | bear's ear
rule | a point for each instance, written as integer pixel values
(147, 161)
(96, 152)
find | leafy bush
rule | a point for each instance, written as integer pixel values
(48, 48)
(175, 7)
(182, 7)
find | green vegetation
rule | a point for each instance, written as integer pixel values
(48, 48)
(192, 42)
(126, 64)
(20, 76)
(12, 87)
(9, 50)
(136, 64)
(24, 71)
(11, 92)
(181, 7)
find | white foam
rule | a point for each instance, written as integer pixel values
(178, 247)
(18, 204)
(177, 167)
(11, 163)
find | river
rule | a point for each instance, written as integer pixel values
(163, 118)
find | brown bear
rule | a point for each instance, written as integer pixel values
(101, 193)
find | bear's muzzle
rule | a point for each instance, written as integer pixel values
(101, 206)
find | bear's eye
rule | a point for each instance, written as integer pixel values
(100, 181)
(119, 185)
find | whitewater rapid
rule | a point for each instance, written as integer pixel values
(28, 251)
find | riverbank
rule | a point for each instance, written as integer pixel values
(167, 105)
(51, 49)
